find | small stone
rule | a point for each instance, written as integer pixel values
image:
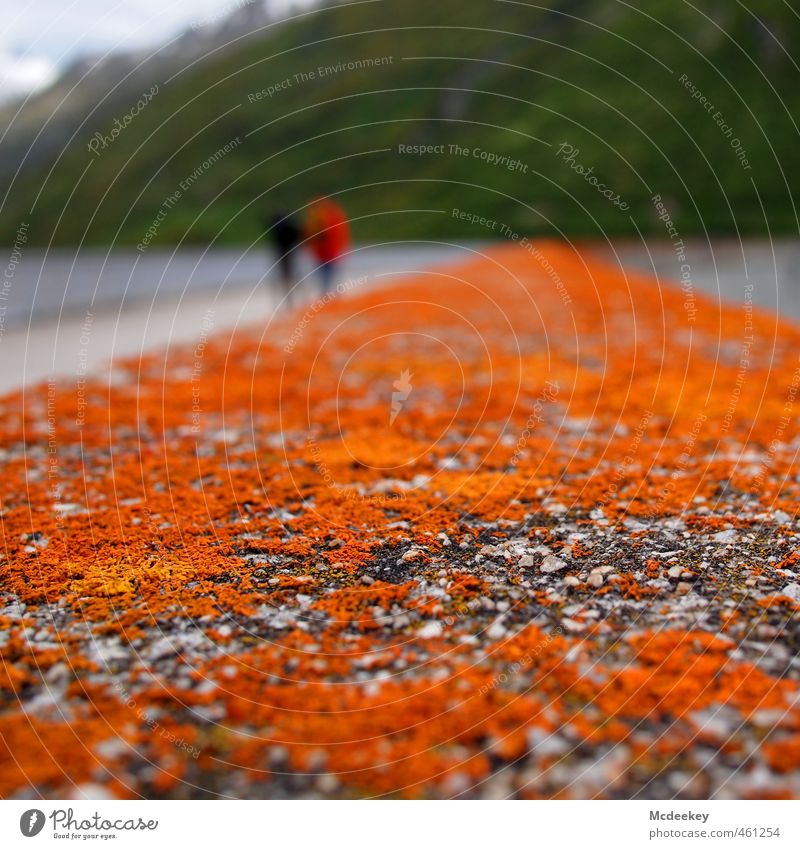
(792, 591)
(89, 791)
(726, 536)
(683, 587)
(328, 783)
(675, 571)
(430, 631)
(497, 631)
(278, 754)
(572, 626)
(571, 581)
(112, 748)
(526, 561)
(595, 580)
(551, 563)
(56, 672)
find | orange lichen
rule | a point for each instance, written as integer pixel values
(529, 569)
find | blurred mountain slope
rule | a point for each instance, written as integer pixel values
(650, 97)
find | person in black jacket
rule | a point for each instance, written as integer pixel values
(284, 234)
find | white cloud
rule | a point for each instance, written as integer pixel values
(47, 34)
(22, 75)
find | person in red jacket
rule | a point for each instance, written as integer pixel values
(328, 234)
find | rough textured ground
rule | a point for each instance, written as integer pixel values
(525, 526)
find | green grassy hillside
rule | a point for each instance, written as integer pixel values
(652, 97)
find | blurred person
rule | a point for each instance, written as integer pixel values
(328, 232)
(284, 234)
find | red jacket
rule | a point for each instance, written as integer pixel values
(327, 230)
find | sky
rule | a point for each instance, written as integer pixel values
(37, 37)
